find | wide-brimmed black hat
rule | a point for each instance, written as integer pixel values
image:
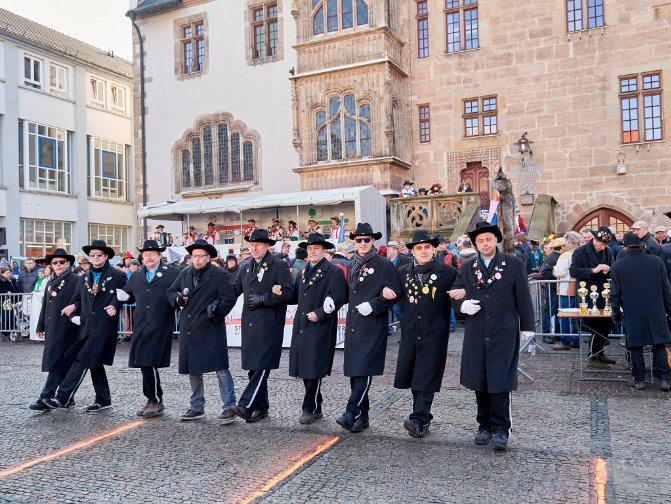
(99, 245)
(420, 236)
(151, 245)
(485, 227)
(408, 182)
(602, 234)
(316, 239)
(260, 235)
(59, 252)
(160, 226)
(632, 240)
(364, 229)
(203, 245)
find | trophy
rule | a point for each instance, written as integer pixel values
(605, 293)
(582, 292)
(594, 295)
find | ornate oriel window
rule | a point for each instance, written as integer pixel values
(218, 152)
(344, 129)
(334, 15)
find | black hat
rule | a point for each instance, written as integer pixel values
(99, 245)
(420, 236)
(151, 245)
(442, 239)
(364, 229)
(408, 182)
(203, 245)
(668, 214)
(231, 257)
(260, 235)
(59, 252)
(631, 240)
(316, 239)
(602, 234)
(301, 253)
(160, 226)
(485, 227)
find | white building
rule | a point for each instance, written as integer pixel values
(66, 170)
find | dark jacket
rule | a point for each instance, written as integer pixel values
(492, 338)
(615, 247)
(313, 343)
(650, 245)
(549, 263)
(425, 327)
(153, 317)
(262, 329)
(202, 341)
(640, 286)
(98, 332)
(523, 255)
(401, 260)
(27, 279)
(366, 337)
(59, 332)
(666, 257)
(7, 286)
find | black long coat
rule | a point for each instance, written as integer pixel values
(153, 317)
(98, 331)
(492, 339)
(59, 333)
(262, 329)
(366, 337)
(584, 259)
(425, 328)
(313, 343)
(203, 347)
(640, 286)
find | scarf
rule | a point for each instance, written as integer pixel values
(359, 262)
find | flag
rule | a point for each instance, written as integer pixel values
(341, 234)
(493, 215)
(173, 256)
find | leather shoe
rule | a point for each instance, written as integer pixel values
(357, 426)
(602, 357)
(560, 346)
(593, 362)
(243, 412)
(483, 437)
(153, 410)
(639, 385)
(664, 385)
(415, 429)
(38, 406)
(307, 418)
(257, 415)
(345, 421)
(500, 442)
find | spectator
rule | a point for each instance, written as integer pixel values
(186, 262)
(232, 267)
(340, 256)
(382, 250)
(28, 276)
(284, 252)
(436, 189)
(78, 270)
(292, 231)
(467, 251)
(7, 285)
(521, 253)
(586, 235)
(566, 291)
(83, 261)
(408, 189)
(16, 269)
(42, 278)
(299, 262)
(660, 235)
(650, 245)
(465, 187)
(423, 191)
(615, 244)
(444, 254)
(550, 298)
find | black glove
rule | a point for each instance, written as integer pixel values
(181, 300)
(212, 308)
(254, 301)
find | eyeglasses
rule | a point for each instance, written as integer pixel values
(199, 256)
(57, 263)
(363, 240)
(97, 254)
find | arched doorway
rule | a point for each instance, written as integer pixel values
(605, 217)
(478, 177)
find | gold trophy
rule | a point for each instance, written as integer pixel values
(582, 292)
(594, 295)
(605, 293)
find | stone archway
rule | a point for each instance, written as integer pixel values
(578, 213)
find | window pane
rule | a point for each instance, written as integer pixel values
(259, 41)
(235, 157)
(471, 28)
(274, 36)
(453, 40)
(574, 15)
(332, 15)
(489, 125)
(322, 145)
(207, 151)
(248, 161)
(629, 111)
(471, 107)
(651, 81)
(628, 84)
(222, 140)
(318, 22)
(422, 38)
(186, 168)
(361, 13)
(197, 164)
(594, 13)
(652, 112)
(108, 164)
(46, 152)
(347, 14)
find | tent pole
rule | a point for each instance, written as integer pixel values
(298, 223)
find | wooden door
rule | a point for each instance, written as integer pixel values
(478, 177)
(605, 217)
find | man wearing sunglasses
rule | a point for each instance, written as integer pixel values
(94, 306)
(59, 332)
(373, 290)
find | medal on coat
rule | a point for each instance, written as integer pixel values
(159, 274)
(425, 289)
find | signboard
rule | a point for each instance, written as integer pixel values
(525, 175)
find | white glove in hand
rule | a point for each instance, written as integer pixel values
(329, 305)
(76, 320)
(122, 295)
(470, 307)
(365, 309)
(527, 335)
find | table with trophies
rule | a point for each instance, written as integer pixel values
(584, 312)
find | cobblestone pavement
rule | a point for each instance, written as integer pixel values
(573, 441)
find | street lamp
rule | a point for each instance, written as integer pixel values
(524, 146)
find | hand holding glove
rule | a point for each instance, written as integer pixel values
(76, 320)
(212, 309)
(470, 307)
(254, 301)
(122, 295)
(329, 305)
(365, 309)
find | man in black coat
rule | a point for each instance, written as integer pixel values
(648, 242)
(153, 323)
(591, 263)
(425, 329)
(640, 287)
(374, 288)
(94, 306)
(266, 285)
(58, 331)
(205, 295)
(498, 304)
(320, 291)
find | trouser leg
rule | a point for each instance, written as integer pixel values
(197, 392)
(421, 407)
(500, 413)
(101, 385)
(312, 402)
(255, 395)
(72, 381)
(151, 384)
(661, 362)
(54, 379)
(637, 363)
(226, 387)
(484, 400)
(600, 331)
(358, 404)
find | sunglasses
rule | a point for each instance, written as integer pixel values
(58, 262)
(363, 240)
(97, 254)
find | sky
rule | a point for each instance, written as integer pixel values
(101, 23)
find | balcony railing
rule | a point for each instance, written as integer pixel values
(439, 213)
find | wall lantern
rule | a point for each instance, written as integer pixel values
(524, 146)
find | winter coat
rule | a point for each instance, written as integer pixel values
(585, 258)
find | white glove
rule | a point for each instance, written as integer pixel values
(527, 335)
(365, 309)
(329, 305)
(76, 320)
(122, 295)
(470, 307)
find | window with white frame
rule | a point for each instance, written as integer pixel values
(118, 95)
(40, 237)
(32, 71)
(58, 80)
(97, 90)
(107, 169)
(115, 236)
(48, 157)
